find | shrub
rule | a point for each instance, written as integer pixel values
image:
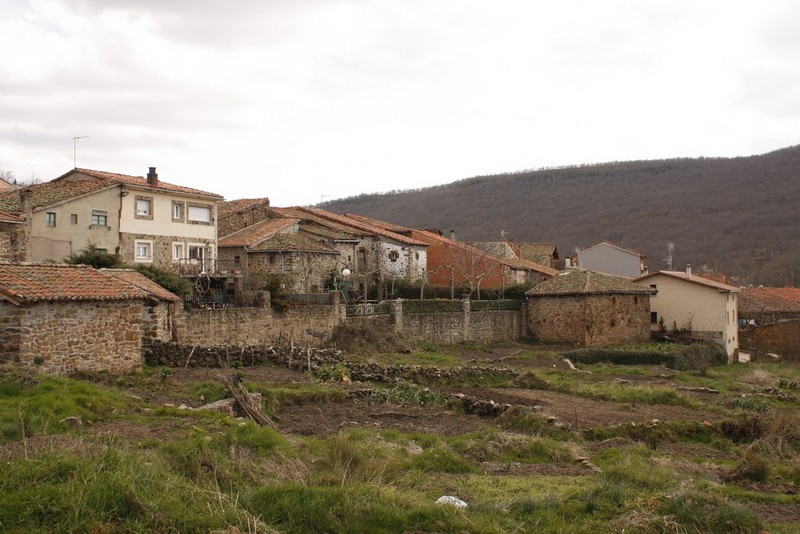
(166, 279)
(99, 259)
(698, 356)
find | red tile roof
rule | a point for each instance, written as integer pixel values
(292, 243)
(693, 278)
(229, 207)
(363, 226)
(9, 218)
(138, 181)
(140, 281)
(50, 193)
(257, 232)
(576, 283)
(35, 282)
(535, 252)
(769, 300)
(324, 227)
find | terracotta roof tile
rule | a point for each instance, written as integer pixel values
(292, 243)
(257, 232)
(50, 193)
(142, 282)
(138, 181)
(9, 218)
(535, 252)
(693, 278)
(769, 300)
(324, 227)
(229, 207)
(572, 283)
(363, 226)
(35, 282)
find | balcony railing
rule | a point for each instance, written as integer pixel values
(196, 267)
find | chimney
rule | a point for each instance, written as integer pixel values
(689, 269)
(152, 177)
(452, 235)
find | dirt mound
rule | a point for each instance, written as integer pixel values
(368, 337)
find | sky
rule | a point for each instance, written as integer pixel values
(311, 100)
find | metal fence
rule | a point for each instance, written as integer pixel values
(369, 308)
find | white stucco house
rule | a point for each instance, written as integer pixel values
(611, 258)
(688, 302)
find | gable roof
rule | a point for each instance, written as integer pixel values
(22, 283)
(323, 227)
(769, 300)
(514, 263)
(292, 243)
(576, 283)
(138, 182)
(230, 207)
(256, 232)
(137, 279)
(535, 252)
(691, 278)
(368, 227)
(50, 193)
(614, 245)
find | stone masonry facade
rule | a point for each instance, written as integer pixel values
(590, 320)
(74, 336)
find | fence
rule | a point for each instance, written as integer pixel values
(377, 308)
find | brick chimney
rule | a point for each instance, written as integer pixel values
(152, 177)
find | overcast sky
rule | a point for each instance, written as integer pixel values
(307, 100)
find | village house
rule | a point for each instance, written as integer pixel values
(542, 253)
(456, 264)
(144, 220)
(5, 185)
(610, 258)
(69, 318)
(589, 309)
(162, 308)
(276, 246)
(768, 305)
(694, 306)
(13, 240)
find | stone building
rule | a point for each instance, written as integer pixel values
(277, 246)
(144, 220)
(13, 239)
(69, 319)
(589, 309)
(162, 308)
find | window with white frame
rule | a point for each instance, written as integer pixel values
(144, 207)
(177, 211)
(198, 213)
(50, 219)
(144, 251)
(177, 252)
(99, 218)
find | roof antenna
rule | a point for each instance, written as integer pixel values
(75, 148)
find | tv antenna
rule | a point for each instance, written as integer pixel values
(75, 149)
(670, 250)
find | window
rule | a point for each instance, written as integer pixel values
(237, 260)
(362, 259)
(177, 211)
(199, 214)
(144, 251)
(394, 255)
(653, 317)
(99, 218)
(73, 218)
(654, 286)
(177, 251)
(144, 207)
(51, 219)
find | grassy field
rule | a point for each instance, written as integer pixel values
(597, 448)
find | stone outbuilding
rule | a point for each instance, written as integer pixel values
(589, 309)
(69, 319)
(163, 309)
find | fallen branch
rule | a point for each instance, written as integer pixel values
(699, 389)
(250, 407)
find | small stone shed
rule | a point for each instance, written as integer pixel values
(163, 309)
(69, 319)
(589, 308)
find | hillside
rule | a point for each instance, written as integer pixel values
(736, 215)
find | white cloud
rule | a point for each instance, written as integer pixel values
(296, 100)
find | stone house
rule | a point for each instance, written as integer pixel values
(589, 309)
(277, 246)
(611, 258)
(455, 264)
(142, 219)
(13, 242)
(69, 319)
(768, 305)
(162, 308)
(235, 215)
(695, 306)
(542, 253)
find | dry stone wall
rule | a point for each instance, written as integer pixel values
(76, 336)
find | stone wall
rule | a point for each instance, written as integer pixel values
(590, 320)
(306, 325)
(74, 336)
(161, 249)
(13, 242)
(160, 320)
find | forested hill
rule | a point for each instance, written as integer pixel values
(736, 215)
